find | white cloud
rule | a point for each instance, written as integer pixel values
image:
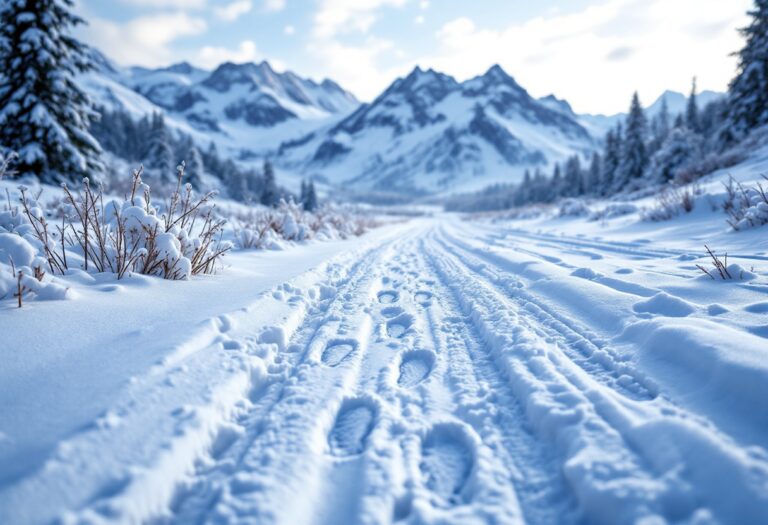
(234, 10)
(419, 19)
(210, 56)
(177, 4)
(597, 57)
(338, 16)
(144, 40)
(356, 68)
(274, 5)
(289, 30)
(424, 4)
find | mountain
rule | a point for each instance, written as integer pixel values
(247, 108)
(426, 134)
(429, 134)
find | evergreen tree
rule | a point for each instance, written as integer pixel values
(748, 91)
(634, 155)
(660, 127)
(236, 181)
(303, 195)
(712, 116)
(310, 204)
(523, 193)
(540, 187)
(254, 183)
(556, 188)
(692, 110)
(592, 176)
(195, 168)
(270, 195)
(159, 154)
(682, 147)
(572, 180)
(44, 115)
(611, 160)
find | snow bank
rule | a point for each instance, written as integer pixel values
(665, 304)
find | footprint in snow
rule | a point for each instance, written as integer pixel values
(423, 298)
(354, 423)
(415, 367)
(397, 327)
(388, 297)
(392, 311)
(337, 352)
(447, 459)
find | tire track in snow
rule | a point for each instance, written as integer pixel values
(581, 346)
(646, 478)
(487, 402)
(555, 403)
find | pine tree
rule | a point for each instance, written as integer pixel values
(634, 155)
(269, 193)
(611, 160)
(660, 127)
(195, 168)
(591, 182)
(310, 204)
(523, 192)
(712, 116)
(540, 187)
(556, 188)
(572, 180)
(692, 110)
(748, 91)
(160, 155)
(303, 195)
(682, 147)
(236, 181)
(44, 115)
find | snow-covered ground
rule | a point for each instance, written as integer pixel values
(432, 371)
(569, 366)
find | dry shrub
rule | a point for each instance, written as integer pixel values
(672, 201)
(174, 241)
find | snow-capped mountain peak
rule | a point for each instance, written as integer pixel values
(429, 133)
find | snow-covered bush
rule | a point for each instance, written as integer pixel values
(175, 241)
(614, 209)
(22, 270)
(265, 228)
(572, 208)
(747, 207)
(671, 202)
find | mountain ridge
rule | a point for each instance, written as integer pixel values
(426, 133)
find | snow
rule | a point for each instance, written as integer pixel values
(563, 367)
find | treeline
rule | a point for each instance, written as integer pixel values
(637, 153)
(150, 142)
(641, 152)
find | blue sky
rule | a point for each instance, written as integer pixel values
(594, 53)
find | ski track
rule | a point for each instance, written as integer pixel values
(428, 384)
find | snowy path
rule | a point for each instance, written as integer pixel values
(453, 373)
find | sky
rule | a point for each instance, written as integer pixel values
(593, 53)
